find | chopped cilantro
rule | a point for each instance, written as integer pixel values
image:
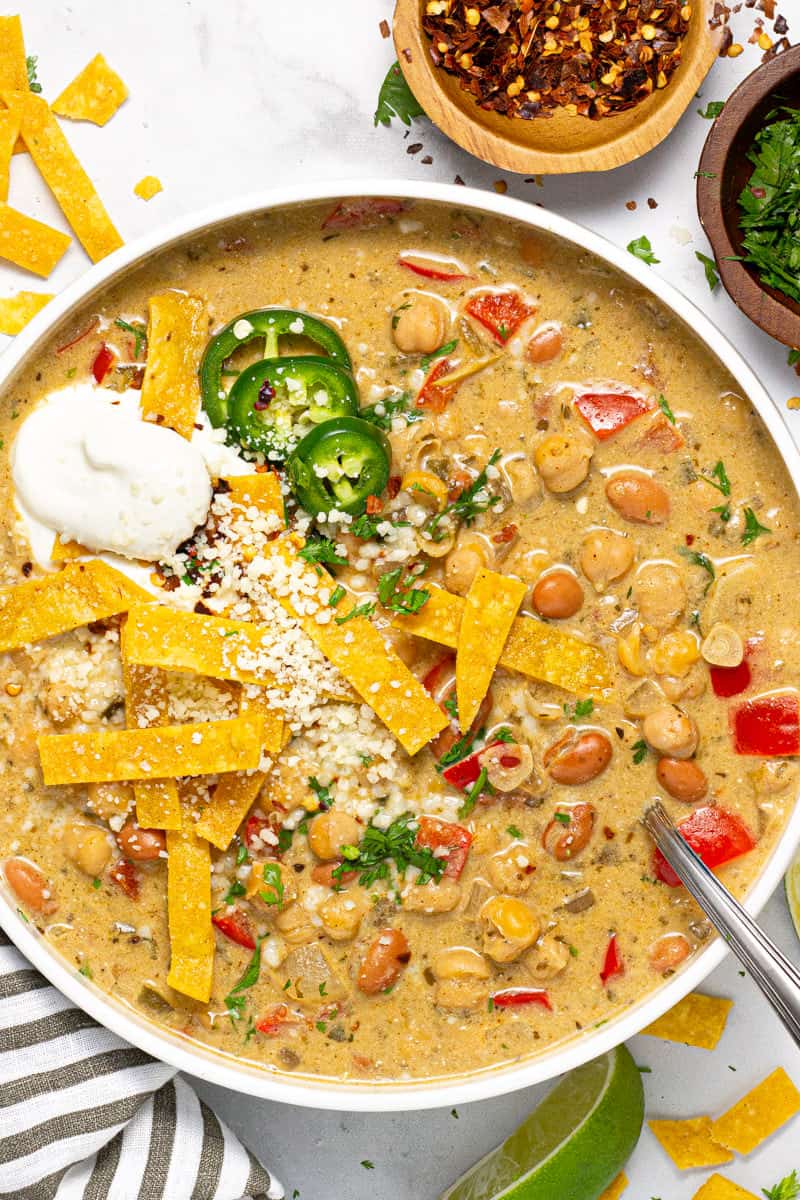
(384, 412)
(271, 875)
(454, 1113)
(86, 971)
(583, 708)
(640, 248)
(719, 478)
(563, 818)
(639, 751)
(396, 99)
(241, 854)
(323, 987)
(97, 884)
(402, 597)
(321, 1026)
(490, 1004)
(366, 527)
(138, 332)
(336, 596)
(396, 844)
(284, 840)
(321, 550)
(713, 109)
(710, 268)
(367, 1165)
(474, 500)
(793, 358)
(473, 794)
(458, 750)
(787, 1189)
(666, 410)
(451, 706)
(323, 794)
(442, 352)
(724, 511)
(361, 610)
(513, 831)
(31, 64)
(700, 560)
(573, 951)
(237, 888)
(753, 528)
(236, 1000)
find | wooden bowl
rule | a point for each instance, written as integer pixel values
(563, 142)
(725, 170)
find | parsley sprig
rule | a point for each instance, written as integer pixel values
(236, 1000)
(752, 527)
(787, 1189)
(321, 550)
(397, 844)
(402, 597)
(385, 412)
(396, 99)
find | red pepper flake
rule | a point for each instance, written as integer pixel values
(384, 28)
(690, 539)
(506, 534)
(374, 505)
(104, 361)
(432, 272)
(126, 877)
(393, 486)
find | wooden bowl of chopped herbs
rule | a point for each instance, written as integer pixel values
(748, 196)
(531, 87)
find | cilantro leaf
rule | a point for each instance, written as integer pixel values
(713, 109)
(396, 99)
(787, 1189)
(323, 794)
(769, 203)
(384, 412)
(639, 751)
(583, 708)
(401, 597)
(752, 527)
(360, 610)
(710, 268)
(235, 1000)
(366, 527)
(442, 352)
(640, 248)
(271, 875)
(473, 500)
(31, 64)
(700, 560)
(397, 844)
(321, 550)
(793, 358)
(719, 478)
(666, 410)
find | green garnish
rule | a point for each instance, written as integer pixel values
(284, 840)
(235, 1000)
(719, 478)
(473, 794)
(272, 878)
(710, 268)
(583, 708)
(139, 334)
(442, 352)
(451, 706)
(640, 248)
(563, 818)
(391, 408)
(474, 500)
(793, 358)
(366, 527)
(361, 610)
(723, 511)
(323, 794)
(396, 844)
(666, 410)
(700, 560)
(402, 597)
(367, 1165)
(336, 595)
(513, 831)
(639, 751)
(787, 1189)
(321, 550)
(713, 109)
(460, 749)
(396, 99)
(770, 203)
(752, 527)
(85, 970)
(31, 64)
(237, 888)
(97, 884)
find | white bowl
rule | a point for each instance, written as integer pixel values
(369, 1096)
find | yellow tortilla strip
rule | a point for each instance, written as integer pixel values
(9, 131)
(13, 67)
(147, 705)
(490, 606)
(689, 1143)
(80, 593)
(717, 1187)
(534, 649)
(17, 311)
(191, 936)
(262, 491)
(64, 175)
(697, 1020)
(30, 244)
(758, 1115)
(165, 752)
(176, 336)
(357, 649)
(615, 1188)
(148, 187)
(94, 95)
(67, 551)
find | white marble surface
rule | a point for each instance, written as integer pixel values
(233, 97)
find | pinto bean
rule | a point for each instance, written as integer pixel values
(574, 760)
(30, 886)
(383, 962)
(545, 345)
(668, 951)
(323, 873)
(638, 497)
(605, 556)
(557, 595)
(682, 778)
(670, 732)
(563, 462)
(419, 326)
(565, 839)
(141, 845)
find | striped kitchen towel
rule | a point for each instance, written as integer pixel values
(85, 1116)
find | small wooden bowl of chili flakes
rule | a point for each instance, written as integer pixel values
(529, 89)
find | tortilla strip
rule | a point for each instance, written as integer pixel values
(615, 1188)
(67, 551)
(357, 649)
(717, 1187)
(176, 336)
(758, 1114)
(165, 752)
(17, 311)
(80, 593)
(262, 491)
(94, 95)
(30, 244)
(64, 175)
(689, 1143)
(490, 606)
(191, 935)
(696, 1020)
(9, 131)
(13, 66)
(147, 705)
(148, 187)
(540, 651)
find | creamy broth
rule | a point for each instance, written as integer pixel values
(566, 842)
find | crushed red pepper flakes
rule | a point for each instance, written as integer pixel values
(524, 58)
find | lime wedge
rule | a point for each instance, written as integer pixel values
(792, 888)
(572, 1145)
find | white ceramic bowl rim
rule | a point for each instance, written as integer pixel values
(397, 1096)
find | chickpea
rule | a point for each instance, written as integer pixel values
(87, 846)
(546, 344)
(670, 732)
(329, 831)
(30, 886)
(507, 765)
(463, 563)
(382, 964)
(271, 886)
(563, 462)
(295, 925)
(461, 993)
(522, 481)
(557, 595)
(511, 870)
(548, 958)
(419, 326)
(606, 556)
(61, 703)
(682, 778)
(668, 951)
(659, 594)
(460, 962)
(510, 927)
(686, 687)
(578, 759)
(432, 898)
(637, 497)
(140, 845)
(569, 832)
(343, 913)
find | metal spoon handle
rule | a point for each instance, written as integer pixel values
(778, 978)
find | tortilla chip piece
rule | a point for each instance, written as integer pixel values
(262, 491)
(358, 651)
(10, 123)
(64, 175)
(689, 1143)
(30, 244)
(13, 66)
(697, 1020)
(147, 705)
(164, 752)
(717, 1187)
(191, 935)
(534, 649)
(80, 593)
(615, 1188)
(148, 187)
(17, 311)
(176, 336)
(758, 1115)
(490, 607)
(67, 551)
(94, 95)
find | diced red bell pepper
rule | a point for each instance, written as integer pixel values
(276, 1018)
(662, 436)
(124, 874)
(362, 212)
(436, 399)
(374, 505)
(463, 774)
(768, 725)
(431, 272)
(254, 828)
(612, 963)
(516, 997)
(501, 313)
(716, 836)
(732, 681)
(235, 925)
(607, 412)
(104, 361)
(440, 677)
(436, 835)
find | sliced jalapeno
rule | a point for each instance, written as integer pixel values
(338, 465)
(275, 403)
(270, 324)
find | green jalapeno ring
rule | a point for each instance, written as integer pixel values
(274, 403)
(338, 465)
(270, 324)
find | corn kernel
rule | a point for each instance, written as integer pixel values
(465, 61)
(606, 36)
(551, 23)
(13, 689)
(473, 16)
(629, 650)
(765, 42)
(675, 653)
(735, 50)
(648, 32)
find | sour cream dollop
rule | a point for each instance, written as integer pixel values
(96, 473)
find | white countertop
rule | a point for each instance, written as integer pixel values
(235, 97)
